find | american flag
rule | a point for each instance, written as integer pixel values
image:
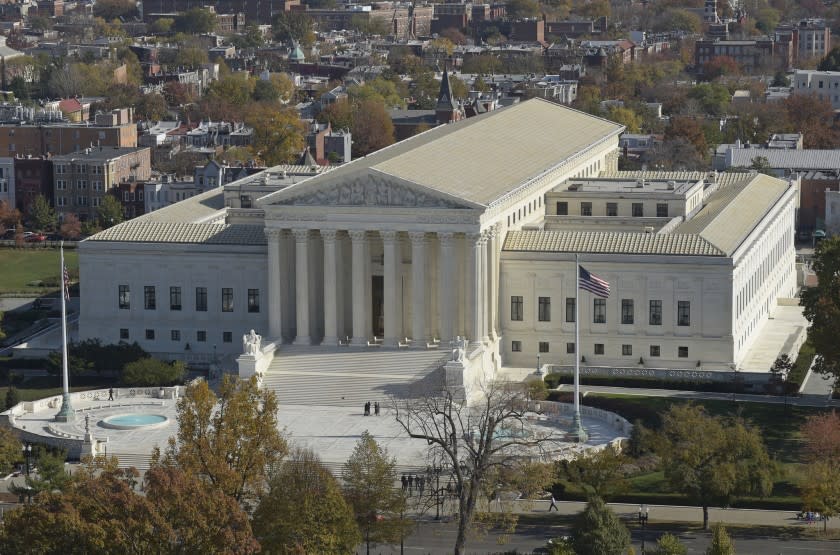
(66, 284)
(592, 283)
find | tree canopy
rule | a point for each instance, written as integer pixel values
(822, 308)
(712, 459)
(230, 439)
(369, 477)
(304, 510)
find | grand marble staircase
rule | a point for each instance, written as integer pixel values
(350, 376)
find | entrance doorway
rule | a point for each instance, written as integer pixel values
(377, 297)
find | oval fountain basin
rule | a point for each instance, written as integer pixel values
(134, 421)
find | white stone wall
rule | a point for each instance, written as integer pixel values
(702, 282)
(764, 271)
(104, 266)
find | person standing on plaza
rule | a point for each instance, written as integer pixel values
(553, 505)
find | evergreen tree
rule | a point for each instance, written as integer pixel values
(598, 531)
(41, 215)
(721, 542)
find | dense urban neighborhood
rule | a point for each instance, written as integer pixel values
(333, 277)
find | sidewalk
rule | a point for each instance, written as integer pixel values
(677, 513)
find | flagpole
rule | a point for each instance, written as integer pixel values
(66, 412)
(577, 425)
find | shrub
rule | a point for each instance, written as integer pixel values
(12, 397)
(150, 372)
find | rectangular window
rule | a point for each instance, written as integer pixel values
(612, 209)
(626, 311)
(150, 334)
(516, 346)
(682, 352)
(175, 335)
(627, 350)
(570, 348)
(543, 346)
(516, 308)
(585, 208)
(562, 208)
(201, 299)
(174, 298)
(125, 297)
(599, 348)
(570, 309)
(661, 210)
(638, 210)
(544, 309)
(227, 299)
(683, 313)
(599, 311)
(253, 300)
(227, 337)
(149, 297)
(655, 318)
(201, 336)
(123, 333)
(654, 350)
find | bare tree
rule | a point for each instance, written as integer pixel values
(472, 438)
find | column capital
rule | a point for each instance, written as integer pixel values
(388, 236)
(328, 235)
(357, 234)
(273, 233)
(301, 235)
(472, 237)
(446, 238)
(417, 236)
(489, 233)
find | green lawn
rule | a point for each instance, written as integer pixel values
(19, 267)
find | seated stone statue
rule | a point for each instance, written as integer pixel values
(251, 343)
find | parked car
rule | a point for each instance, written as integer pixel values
(31, 237)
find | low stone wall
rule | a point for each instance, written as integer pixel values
(618, 423)
(74, 444)
(687, 374)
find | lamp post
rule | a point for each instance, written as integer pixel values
(27, 455)
(539, 367)
(643, 518)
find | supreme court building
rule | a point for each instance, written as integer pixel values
(469, 229)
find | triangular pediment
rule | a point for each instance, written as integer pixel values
(368, 188)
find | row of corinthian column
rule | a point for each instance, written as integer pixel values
(478, 260)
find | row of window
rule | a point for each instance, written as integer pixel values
(598, 349)
(81, 184)
(150, 298)
(637, 209)
(175, 335)
(599, 311)
(80, 201)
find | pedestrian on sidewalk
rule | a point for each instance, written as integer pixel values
(111, 394)
(376, 408)
(410, 484)
(553, 505)
(367, 408)
(404, 482)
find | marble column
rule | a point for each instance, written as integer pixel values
(275, 317)
(390, 284)
(489, 284)
(330, 288)
(474, 245)
(302, 285)
(446, 288)
(493, 276)
(418, 288)
(359, 263)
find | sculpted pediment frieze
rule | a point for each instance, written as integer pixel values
(371, 190)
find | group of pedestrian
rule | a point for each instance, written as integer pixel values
(411, 481)
(375, 408)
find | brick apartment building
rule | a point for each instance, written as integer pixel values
(114, 129)
(82, 179)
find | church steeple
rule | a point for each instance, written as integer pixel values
(447, 109)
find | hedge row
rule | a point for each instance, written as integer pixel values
(555, 379)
